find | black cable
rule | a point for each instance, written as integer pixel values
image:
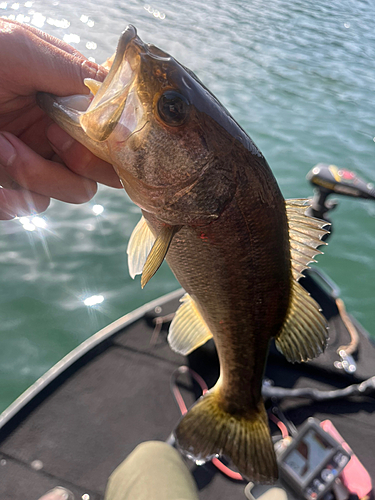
(365, 388)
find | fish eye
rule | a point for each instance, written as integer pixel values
(173, 108)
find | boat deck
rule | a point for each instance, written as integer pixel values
(87, 417)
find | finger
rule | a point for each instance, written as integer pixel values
(6, 181)
(21, 203)
(80, 160)
(41, 176)
(45, 36)
(54, 70)
(33, 131)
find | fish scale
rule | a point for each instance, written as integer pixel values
(241, 288)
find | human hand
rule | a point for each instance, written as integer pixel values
(38, 160)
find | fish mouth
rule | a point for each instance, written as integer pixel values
(115, 105)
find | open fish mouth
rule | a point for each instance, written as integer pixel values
(113, 104)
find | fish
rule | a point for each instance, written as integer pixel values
(211, 207)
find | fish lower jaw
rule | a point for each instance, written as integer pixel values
(65, 111)
(78, 103)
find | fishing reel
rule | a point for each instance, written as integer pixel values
(329, 179)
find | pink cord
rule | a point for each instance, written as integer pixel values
(280, 425)
(181, 404)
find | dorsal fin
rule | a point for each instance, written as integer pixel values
(139, 246)
(188, 329)
(305, 235)
(304, 333)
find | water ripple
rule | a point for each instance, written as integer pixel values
(298, 77)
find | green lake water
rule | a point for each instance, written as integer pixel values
(299, 77)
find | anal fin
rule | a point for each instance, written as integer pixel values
(188, 329)
(304, 333)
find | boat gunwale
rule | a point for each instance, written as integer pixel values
(78, 352)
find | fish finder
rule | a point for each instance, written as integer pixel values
(312, 462)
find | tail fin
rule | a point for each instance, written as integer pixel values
(207, 430)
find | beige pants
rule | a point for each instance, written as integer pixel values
(153, 471)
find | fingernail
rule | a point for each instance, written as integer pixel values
(93, 70)
(7, 151)
(59, 138)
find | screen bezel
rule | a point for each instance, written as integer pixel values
(330, 449)
(298, 482)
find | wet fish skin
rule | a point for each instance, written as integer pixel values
(237, 270)
(216, 212)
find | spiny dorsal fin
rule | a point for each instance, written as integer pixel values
(158, 252)
(139, 246)
(304, 334)
(188, 329)
(305, 234)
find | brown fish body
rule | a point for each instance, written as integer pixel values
(237, 270)
(212, 208)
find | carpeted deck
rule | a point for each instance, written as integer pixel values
(91, 417)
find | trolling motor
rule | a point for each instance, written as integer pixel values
(329, 179)
(326, 180)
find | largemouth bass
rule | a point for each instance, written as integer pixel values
(211, 206)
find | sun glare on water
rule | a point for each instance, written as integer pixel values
(93, 300)
(32, 223)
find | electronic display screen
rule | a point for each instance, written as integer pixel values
(308, 454)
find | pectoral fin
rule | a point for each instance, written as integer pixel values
(304, 334)
(188, 329)
(305, 234)
(158, 252)
(139, 246)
